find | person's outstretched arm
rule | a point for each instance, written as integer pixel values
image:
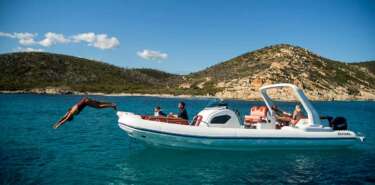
(63, 120)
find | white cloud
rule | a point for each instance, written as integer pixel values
(29, 49)
(10, 35)
(101, 41)
(152, 55)
(52, 39)
(23, 38)
(104, 42)
(87, 37)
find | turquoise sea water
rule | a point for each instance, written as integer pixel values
(93, 150)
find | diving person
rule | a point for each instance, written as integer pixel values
(77, 108)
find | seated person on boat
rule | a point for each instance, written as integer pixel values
(297, 115)
(281, 116)
(258, 114)
(159, 116)
(182, 113)
(159, 112)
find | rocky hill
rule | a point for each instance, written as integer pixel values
(240, 77)
(321, 78)
(369, 65)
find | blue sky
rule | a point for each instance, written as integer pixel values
(185, 36)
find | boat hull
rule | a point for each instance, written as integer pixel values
(216, 143)
(177, 141)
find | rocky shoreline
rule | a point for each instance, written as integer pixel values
(54, 92)
(254, 97)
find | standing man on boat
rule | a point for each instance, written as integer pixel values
(182, 113)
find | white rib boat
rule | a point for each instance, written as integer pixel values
(219, 128)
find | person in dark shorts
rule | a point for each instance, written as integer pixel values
(77, 108)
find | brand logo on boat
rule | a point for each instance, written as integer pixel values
(343, 134)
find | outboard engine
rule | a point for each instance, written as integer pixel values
(339, 123)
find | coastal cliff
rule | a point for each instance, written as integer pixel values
(239, 78)
(319, 77)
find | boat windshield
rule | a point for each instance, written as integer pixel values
(217, 103)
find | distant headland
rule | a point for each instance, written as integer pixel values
(237, 78)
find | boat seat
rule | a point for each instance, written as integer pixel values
(258, 114)
(164, 119)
